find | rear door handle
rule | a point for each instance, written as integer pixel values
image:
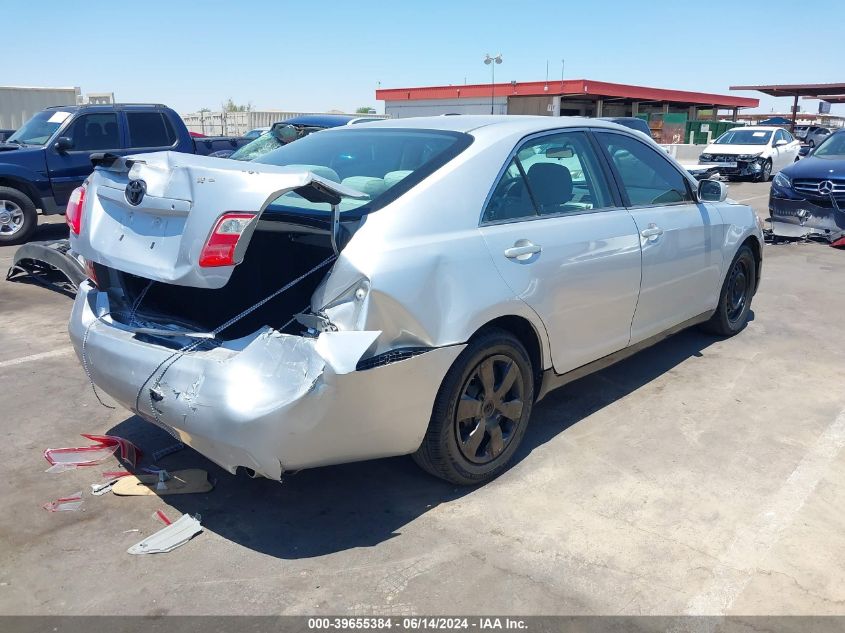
(523, 249)
(652, 231)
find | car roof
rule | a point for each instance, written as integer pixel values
(320, 120)
(505, 123)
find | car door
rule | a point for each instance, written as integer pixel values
(88, 133)
(793, 146)
(680, 237)
(562, 241)
(780, 151)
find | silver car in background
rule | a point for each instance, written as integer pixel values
(409, 286)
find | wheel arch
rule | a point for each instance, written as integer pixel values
(754, 244)
(24, 187)
(527, 334)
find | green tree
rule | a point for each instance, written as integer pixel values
(365, 110)
(231, 106)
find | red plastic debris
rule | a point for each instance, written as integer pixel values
(105, 447)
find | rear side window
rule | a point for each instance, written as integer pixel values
(648, 178)
(551, 175)
(149, 129)
(381, 163)
(93, 132)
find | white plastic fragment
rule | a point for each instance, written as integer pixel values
(166, 540)
(70, 503)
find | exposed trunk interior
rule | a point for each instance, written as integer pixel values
(272, 259)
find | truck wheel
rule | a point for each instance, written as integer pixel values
(481, 411)
(18, 217)
(731, 315)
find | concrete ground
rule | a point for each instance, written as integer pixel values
(700, 476)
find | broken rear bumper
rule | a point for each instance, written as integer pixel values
(800, 218)
(270, 402)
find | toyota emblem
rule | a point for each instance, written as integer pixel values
(135, 191)
(826, 187)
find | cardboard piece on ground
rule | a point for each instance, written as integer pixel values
(181, 482)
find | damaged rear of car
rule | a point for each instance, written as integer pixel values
(217, 306)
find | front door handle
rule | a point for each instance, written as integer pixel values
(522, 250)
(653, 231)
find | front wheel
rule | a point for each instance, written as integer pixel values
(481, 411)
(18, 217)
(765, 172)
(812, 144)
(731, 315)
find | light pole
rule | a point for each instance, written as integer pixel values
(492, 61)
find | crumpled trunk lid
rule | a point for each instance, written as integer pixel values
(160, 236)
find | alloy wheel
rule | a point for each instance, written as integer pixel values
(489, 411)
(11, 217)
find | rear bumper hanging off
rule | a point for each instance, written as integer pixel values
(270, 402)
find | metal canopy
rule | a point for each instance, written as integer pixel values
(812, 91)
(800, 90)
(829, 98)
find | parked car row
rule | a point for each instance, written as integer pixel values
(407, 286)
(50, 155)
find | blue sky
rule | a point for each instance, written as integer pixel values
(285, 55)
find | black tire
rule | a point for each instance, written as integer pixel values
(473, 450)
(731, 315)
(812, 144)
(18, 217)
(766, 173)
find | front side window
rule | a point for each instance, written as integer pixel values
(789, 138)
(379, 162)
(149, 129)
(647, 177)
(779, 136)
(550, 175)
(94, 132)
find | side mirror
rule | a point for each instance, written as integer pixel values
(712, 191)
(62, 144)
(780, 143)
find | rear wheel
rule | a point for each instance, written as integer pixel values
(812, 143)
(481, 411)
(18, 217)
(731, 315)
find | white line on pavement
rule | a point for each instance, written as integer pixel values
(765, 195)
(34, 357)
(754, 541)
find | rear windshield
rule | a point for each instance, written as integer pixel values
(744, 137)
(382, 163)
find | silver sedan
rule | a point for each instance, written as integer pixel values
(400, 287)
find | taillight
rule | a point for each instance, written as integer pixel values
(219, 249)
(73, 213)
(91, 273)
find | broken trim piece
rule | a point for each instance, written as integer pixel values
(391, 356)
(169, 538)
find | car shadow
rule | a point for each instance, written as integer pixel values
(331, 509)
